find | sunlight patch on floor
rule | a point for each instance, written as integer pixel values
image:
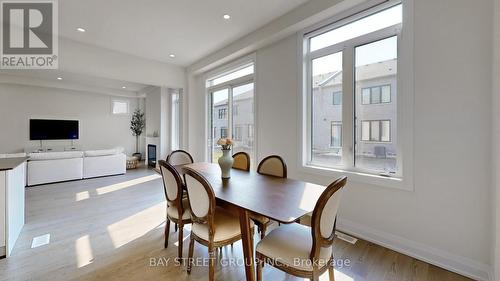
(84, 255)
(82, 196)
(40, 240)
(136, 225)
(125, 184)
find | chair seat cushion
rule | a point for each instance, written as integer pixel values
(291, 245)
(172, 211)
(260, 218)
(227, 226)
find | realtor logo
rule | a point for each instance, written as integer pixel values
(29, 35)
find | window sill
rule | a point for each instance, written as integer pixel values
(360, 177)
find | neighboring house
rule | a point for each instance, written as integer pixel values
(243, 120)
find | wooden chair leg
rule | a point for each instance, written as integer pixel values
(260, 264)
(315, 277)
(263, 231)
(331, 273)
(211, 265)
(190, 254)
(181, 238)
(167, 232)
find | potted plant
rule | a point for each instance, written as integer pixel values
(226, 160)
(137, 125)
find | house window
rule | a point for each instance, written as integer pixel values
(237, 133)
(337, 98)
(223, 113)
(354, 63)
(120, 107)
(375, 95)
(376, 130)
(223, 132)
(336, 134)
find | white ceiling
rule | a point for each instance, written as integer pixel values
(153, 29)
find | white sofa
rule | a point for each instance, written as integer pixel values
(49, 167)
(100, 163)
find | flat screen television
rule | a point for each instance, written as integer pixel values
(46, 129)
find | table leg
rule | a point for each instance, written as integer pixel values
(247, 242)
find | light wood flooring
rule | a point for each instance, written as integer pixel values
(111, 228)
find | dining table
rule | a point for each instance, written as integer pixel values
(283, 200)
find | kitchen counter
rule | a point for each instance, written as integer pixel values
(11, 163)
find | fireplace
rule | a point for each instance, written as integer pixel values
(152, 155)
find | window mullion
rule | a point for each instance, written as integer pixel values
(348, 106)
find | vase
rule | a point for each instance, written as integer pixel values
(226, 163)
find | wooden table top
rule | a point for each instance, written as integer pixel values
(281, 199)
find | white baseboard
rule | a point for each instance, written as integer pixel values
(461, 265)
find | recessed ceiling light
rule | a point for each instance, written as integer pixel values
(59, 78)
(172, 55)
(123, 87)
(226, 16)
(80, 29)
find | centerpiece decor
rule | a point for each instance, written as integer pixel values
(226, 160)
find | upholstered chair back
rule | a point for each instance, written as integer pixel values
(179, 157)
(201, 196)
(241, 161)
(273, 165)
(325, 215)
(172, 183)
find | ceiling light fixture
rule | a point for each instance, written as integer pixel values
(59, 78)
(80, 29)
(172, 55)
(226, 16)
(123, 87)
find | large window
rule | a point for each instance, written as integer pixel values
(231, 98)
(175, 124)
(351, 78)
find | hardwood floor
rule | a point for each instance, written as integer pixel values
(112, 229)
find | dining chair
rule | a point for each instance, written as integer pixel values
(180, 157)
(272, 165)
(303, 251)
(177, 206)
(241, 161)
(212, 226)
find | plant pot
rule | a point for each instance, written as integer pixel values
(137, 155)
(226, 163)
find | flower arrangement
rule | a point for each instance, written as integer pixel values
(226, 143)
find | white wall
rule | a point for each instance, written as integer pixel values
(446, 220)
(98, 127)
(496, 141)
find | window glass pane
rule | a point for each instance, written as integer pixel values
(175, 121)
(336, 137)
(365, 130)
(230, 76)
(385, 130)
(243, 119)
(218, 106)
(375, 95)
(386, 94)
(374, 131)
(376, 63)
(366, 96)
(357, 28)
(337, 98)
(120, 107)
(326, 78)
